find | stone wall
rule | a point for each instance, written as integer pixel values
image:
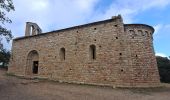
(123, 56)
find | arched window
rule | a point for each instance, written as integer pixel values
(92, 52)
(62, 54)
(141, 33)
(146, 32)
(132, 33)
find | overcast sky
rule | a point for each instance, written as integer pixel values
(56, 14)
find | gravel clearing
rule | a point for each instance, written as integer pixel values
(13, 88)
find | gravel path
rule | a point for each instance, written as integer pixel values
(12, 88)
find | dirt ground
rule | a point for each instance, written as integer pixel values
(13, 88)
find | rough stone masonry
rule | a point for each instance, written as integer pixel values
(108, 53)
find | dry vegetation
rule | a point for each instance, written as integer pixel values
(14, 88)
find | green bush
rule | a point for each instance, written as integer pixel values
(164, 68)
(4, 58)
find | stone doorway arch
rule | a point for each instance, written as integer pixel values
(32, 63)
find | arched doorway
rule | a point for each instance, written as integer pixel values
(32, 63)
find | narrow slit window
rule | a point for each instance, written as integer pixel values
(92, 52)
(62, 54)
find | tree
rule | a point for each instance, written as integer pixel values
(5, 7)
(4, 58)
(164, 68)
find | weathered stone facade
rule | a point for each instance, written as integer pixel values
(107, 52)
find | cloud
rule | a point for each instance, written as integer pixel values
(85, 4)
(50, 15)
(161, 54)
(56, 14)
(158, 28)
(157, 3)
(39, 5)
(161, 39)
(161, 30)
(130, 8)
